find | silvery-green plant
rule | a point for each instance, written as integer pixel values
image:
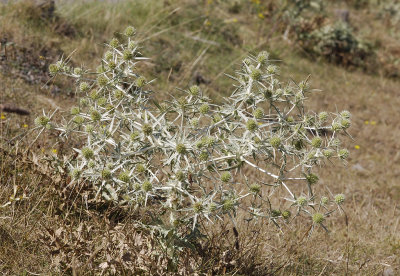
(195, 160)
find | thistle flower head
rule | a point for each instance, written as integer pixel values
(257, 140)
(95, 115)
(198, 207)
(84, 87)
(77, 71)
(147, 129)
(336, 126)
(318, 218)
(101, 69)
(200, 144)
(275, 141)
(134, 135)
(303, 85)
(339, 199)
(75, 110)
(226, 177)
(272, 69)
(83, 102)
(91, 164)
(78, 120)
(324, 200)
(108, 56)
(290, 119)
(54, 69)
(49, 126)
(255, 188)
(181, 148)
(132, 45)
(147, 186)
(124, 176)
(102, 80)
(76, 173)
(114, 43)
(87, 153)
(258, 113)
(136, 187)
(94, 95)
(217, 118)
(316, 142)
(267, 94)
(102, 101)
(42, 121)
(323, 116)
(336, 142)
(112, 65)
(140, 82)
(275, 213)
(212, 207)
(106, 173)
(328, 153)
(140, 168)
(262, 57)
(247, 61)
(110, 108)
(345, 123)
(209, 141)
(194, 90)
(312, 178)
(278, 92)
(251, 125)
(301, 201)
(194, 122)
(343, 154)
(203, 156)
(255, 73)
(204, 108)
(129, 31)
(286, 214)
(228, 205)
(127, 55)
(345, 114)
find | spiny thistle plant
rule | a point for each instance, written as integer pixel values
(195, 160)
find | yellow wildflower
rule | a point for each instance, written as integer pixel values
(261, 15)
(366, 122)
(357, 147)
(2, 116)
(373, 123)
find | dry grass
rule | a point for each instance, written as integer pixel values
(53, 231)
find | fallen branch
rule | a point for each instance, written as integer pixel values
(13, 109)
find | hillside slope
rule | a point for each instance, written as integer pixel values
(197, 42)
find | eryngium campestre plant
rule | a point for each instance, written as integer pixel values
(196, 160)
